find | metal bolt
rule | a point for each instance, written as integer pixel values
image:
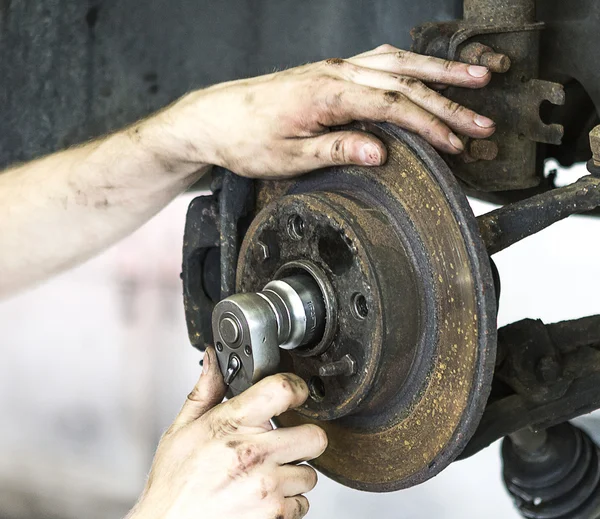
(230, 330)
(548, 370)
(483, 149)
(219, 347)
(263, 252)
(346, 366)
(595, 145)
(496, 62)
(479, 54)
(472, 53)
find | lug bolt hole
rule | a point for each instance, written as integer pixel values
(295, 227)
(316, 388)
(360, 308)
(248, 350)
(219, 346)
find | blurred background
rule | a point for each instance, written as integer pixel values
(96, 362)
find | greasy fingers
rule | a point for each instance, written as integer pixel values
(270, 397)
(454, 115)
(382, 49)
(228, 463)
(398, 94)
(280, 125)
(296, 479)
(208, 392)
(293, 444)
(367, 103)
(337, 148)
(295, 507)
(426, 68)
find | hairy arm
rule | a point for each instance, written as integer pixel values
(60, 210)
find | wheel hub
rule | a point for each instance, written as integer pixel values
(402, 373)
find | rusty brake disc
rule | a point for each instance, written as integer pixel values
(401, 375)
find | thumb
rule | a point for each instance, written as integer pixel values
(208, 392)
(339, 148)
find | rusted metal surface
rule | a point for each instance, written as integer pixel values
(505, 36)
(401, 377)
(235, 202)
(211, 242)
(479, 54)
(406, 239)
(499, 12)
(545, 375)
(483, 150)
(496, 62)
(509, 224)
(567, 56)
(334, 240)
(595, 146)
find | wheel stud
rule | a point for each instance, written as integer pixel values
(346, 366)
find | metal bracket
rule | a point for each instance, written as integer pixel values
(545, 375)
(512, 99)
(213, 229)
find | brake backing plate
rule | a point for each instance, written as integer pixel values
(401, 375)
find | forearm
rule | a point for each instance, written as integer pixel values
(62, 209)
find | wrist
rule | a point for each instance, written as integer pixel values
(173, 139)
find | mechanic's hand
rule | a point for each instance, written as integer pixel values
(226, 462)
(278, 125)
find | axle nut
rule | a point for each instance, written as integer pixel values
(498, 63)
(595, 145)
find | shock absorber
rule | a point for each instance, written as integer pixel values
(553, 473)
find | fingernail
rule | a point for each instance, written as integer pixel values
(206, 362)
(477, 71)
(484, 122)
(369, 154)
(456, 142)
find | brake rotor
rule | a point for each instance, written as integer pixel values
(401, 375)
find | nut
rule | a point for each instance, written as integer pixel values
(262, 252)
(472, 53)
(595, 145)
(498, 63)
(478, 54)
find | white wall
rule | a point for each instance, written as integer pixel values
(96, 362)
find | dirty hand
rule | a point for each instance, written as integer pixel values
(224, 461)
(279, 125)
